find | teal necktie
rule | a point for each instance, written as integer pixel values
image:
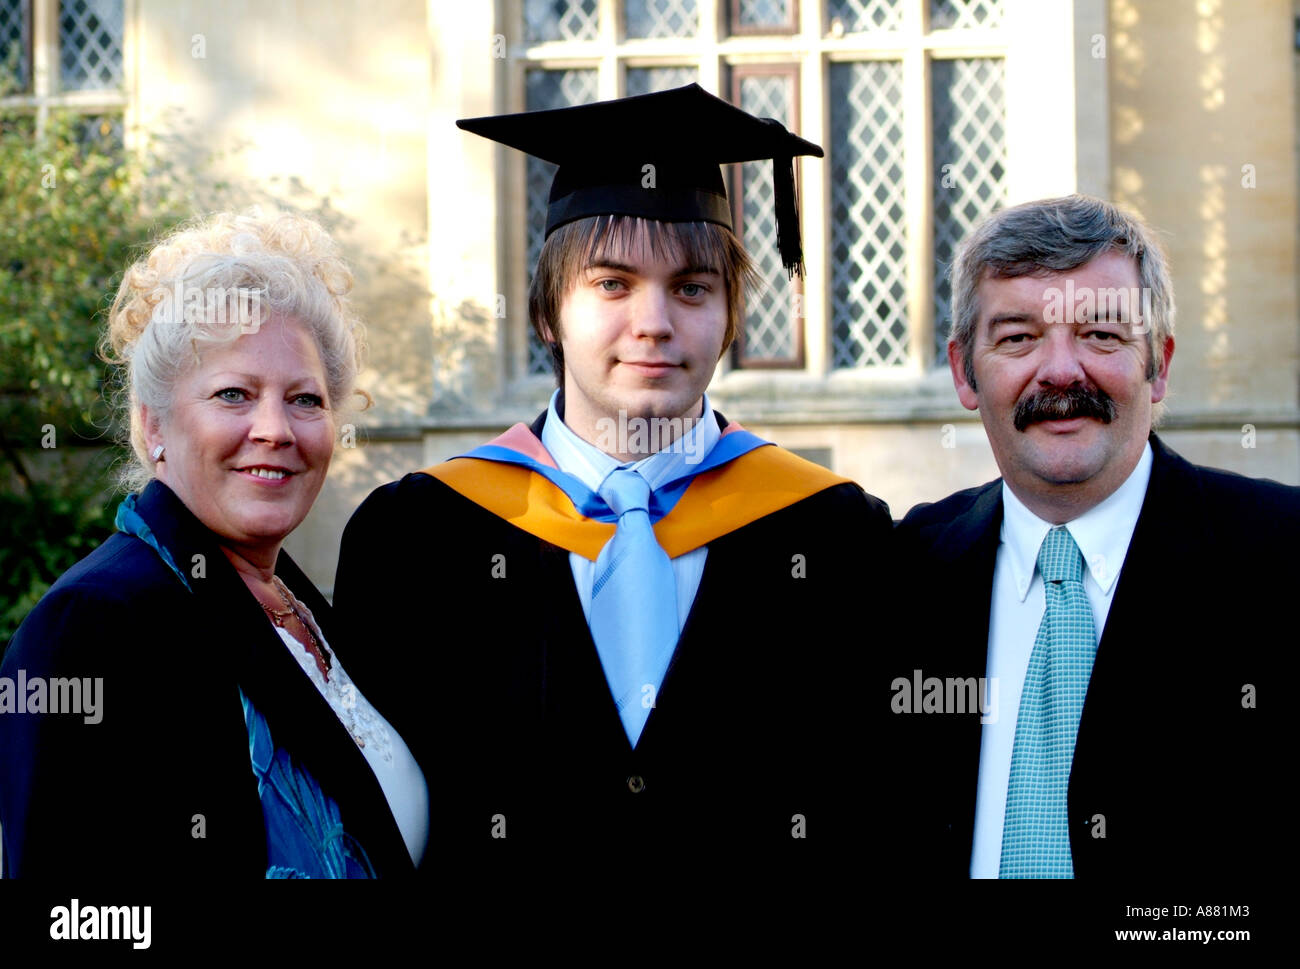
(1035, 833)
(633, 603)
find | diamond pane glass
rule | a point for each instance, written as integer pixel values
(964, 14)
(543, 90)
(662, 18)
(15, 32)
(560, 20)
(868, 232)
(854, 16)
(970, 164)
(765, 13)
(102, 132)
(648, 80)
(769, 324)
(90, 44)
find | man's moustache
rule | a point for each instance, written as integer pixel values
(1063, 405)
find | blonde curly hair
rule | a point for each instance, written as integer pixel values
(202, 286)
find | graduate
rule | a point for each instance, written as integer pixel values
(629, 627)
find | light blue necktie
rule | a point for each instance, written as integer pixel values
(1035, 833)
(633, 603)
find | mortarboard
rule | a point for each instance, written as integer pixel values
(654, 156)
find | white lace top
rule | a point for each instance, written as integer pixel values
(395, 768)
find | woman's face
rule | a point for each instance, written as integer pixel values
(249, 437)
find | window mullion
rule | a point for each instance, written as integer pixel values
(609, 82)
(920, 190)
(710, 57)
(771, 322)
(812, 187)
(45, 57)
(815, 211)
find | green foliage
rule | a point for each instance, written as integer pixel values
(75, 210)
(43, 532)
(73, 213)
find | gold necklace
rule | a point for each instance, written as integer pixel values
(323, 659)
(276, 617)
(313, 646)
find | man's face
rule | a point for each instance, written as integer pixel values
(1066, 405)
(641, 334)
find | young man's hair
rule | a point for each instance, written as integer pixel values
(571, 248)
(1056, 236)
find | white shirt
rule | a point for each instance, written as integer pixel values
(385, 751)
(590, 465)
(1103, 534)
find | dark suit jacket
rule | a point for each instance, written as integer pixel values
(117, 799)
(506, 706)
(1185, 776)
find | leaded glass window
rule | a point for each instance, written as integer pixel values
(771, 332)
(102, 131)
(970, 164)
(543, 90)
(546, 20)
(764, 16)
(869, 325)
(965, 14)
(15, 46)
(662, 18)
(90, 44)
(854, 16)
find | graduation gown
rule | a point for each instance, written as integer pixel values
(495, 682)
(162, 786)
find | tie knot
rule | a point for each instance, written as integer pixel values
(1059, 559)
(625, 491)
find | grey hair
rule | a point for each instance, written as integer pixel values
(210, 281)
(1052, 236)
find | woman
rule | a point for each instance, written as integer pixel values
(227, 738)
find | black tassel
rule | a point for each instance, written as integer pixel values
(787, 216)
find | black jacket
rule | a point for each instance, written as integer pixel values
(122, 798)
(1182, 768)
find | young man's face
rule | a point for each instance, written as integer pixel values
(1067, 405)
(641, 334)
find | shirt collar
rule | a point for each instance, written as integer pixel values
(590, 465)
(1102, 533)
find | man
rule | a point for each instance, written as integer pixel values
(1116, 605)
(604, 633)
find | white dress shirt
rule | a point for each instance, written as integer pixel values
(590, 465)
(1103, 534)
